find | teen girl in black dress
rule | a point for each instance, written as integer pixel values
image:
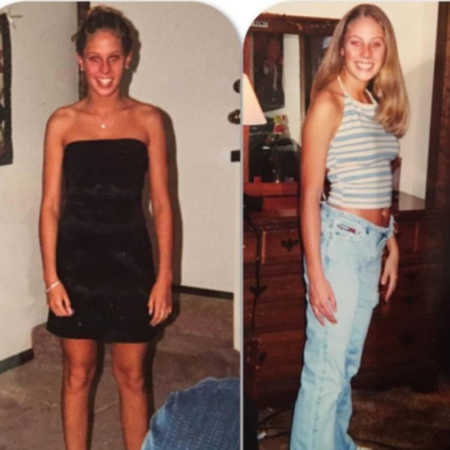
(100, 279)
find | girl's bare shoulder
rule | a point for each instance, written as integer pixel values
(325, 112)
(144, 111)
(66, 115)
(146, 115)
(329, 100)
(63, 118)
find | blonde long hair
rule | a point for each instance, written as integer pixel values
(388, 86)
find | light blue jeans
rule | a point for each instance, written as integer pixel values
(351, 249)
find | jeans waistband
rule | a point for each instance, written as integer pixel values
(329, 212)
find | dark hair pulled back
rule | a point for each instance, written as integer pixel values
(104, 18)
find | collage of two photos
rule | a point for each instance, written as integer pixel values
(220, 241)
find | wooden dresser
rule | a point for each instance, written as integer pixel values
(273, 307)
(402, 341)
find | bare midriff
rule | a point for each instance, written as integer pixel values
(378, 216)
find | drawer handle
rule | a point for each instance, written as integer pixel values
(289, 244)
(411, 275)
(257, 290)
(261, 357)
(406, 339)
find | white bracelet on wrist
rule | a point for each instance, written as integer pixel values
(53, 285)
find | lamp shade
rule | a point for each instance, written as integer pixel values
(252, 113)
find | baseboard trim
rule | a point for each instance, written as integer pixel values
(16, 360)
(203, 292)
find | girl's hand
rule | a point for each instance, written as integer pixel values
(58, 301)
(322, 300)
(390, 270)
(160, 302)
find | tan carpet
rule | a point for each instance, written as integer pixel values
(195, 345)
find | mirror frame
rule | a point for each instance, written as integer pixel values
(281, 24)
(438, 171)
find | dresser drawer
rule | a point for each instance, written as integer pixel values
(431, 239)
(272, 368)
(268, 272)
(280, 246)
(404, 304)
(417, 293)
(273, 356)
(421, 238)
(419, 276)
(288, 314)
(407, 237)
(275, 289)
(399, 340)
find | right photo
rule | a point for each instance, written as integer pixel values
(346, 219)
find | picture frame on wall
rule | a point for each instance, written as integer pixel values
(268, 70)
(6, 152)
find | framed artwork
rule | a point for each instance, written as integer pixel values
(268, 70)
(6, 154)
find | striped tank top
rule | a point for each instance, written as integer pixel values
(359, 158)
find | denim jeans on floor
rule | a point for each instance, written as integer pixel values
(351, 249)
(203, 417)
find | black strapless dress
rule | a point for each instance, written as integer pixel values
(104, 255)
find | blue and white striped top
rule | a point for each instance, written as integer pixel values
(359, 158)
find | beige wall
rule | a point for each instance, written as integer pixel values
(415, 26)
(43, 77)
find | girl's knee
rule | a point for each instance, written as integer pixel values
(78, 378)
(129, 378)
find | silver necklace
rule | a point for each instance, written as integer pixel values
(103, 123)
(106, 120)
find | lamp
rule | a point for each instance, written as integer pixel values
(252, 113)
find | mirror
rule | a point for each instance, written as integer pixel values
(281, 55)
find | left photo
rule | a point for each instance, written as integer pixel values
(120, 227)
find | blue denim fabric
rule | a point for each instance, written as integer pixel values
(203, 417)
(351, 250)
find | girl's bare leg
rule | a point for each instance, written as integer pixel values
(79, 364)
(128, 368)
